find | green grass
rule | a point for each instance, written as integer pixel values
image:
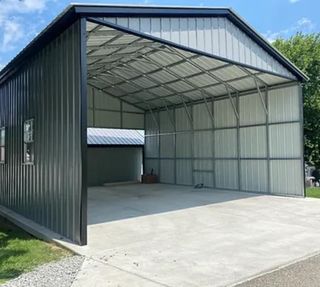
(313, 192)
(20, 252)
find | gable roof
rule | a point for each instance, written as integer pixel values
(76, 11)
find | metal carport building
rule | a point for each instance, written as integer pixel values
(219, 106)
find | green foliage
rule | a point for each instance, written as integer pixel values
(313, 192)
(304, 52)
(20, 252)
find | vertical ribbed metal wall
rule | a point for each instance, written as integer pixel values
(259, 152)
(47, 88)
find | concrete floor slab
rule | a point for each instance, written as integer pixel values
(164, 235)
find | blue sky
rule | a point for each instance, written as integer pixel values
(22, 20)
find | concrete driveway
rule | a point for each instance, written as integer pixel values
(164, 235)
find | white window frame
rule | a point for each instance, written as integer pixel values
(28, 142)
(3, 145)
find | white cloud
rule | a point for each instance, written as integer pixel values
(20, 6)
(302, 25)
(12, 25)
(305, 23)
(293, 1)
(12, 33)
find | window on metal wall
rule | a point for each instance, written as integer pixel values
(28, 138)
(2, 145)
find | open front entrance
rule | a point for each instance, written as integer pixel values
(208, 121)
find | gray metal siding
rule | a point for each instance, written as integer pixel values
(113, 164)
(47, 88)
(214, 35)
(258, 152)
(106, 111)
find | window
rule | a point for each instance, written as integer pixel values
(28, 141)
(2, 145)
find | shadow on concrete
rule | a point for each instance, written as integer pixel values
(106, 204)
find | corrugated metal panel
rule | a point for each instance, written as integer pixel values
(203, 164)
(225, 143)
(114, 137)
(166, 119)
(151, 164)
(214, 145)
(107, 119)
(105, 111)
(182, 121)
(112, 164)
(167, 171)
(203, 142)
(226, 174)
(104, 101)
(254, 175)
(167, 146)
(47, 89)
(152, 146)
(217, 36)
(152, 121)
(129, 108)
(90, 118)
(132, 121)
(201, 117)
(253, 142)
(204, 178)
(251, 110)
(224, 114)
(284, 104)
(184, 172)
(285, 140)
(286, 177)
(184, 145)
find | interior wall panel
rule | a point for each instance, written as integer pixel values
(224, 114)
(108, 119)
(184, 145)
(106, 111)
(284, 104)
(209, 150)
(203, 165)
(201, 116)
(152, 165)
(253, 142)
(254, 175)
(184, 172)
(113, 164)
(226, 172)
(251, 110)
(203, 142)
(285, 140)
(167, 146)
(151, 147)
(225, 143)
(132, 121)
(151, 124)
(167, 171)
(286, 177)
(205, 178)
(181, 120)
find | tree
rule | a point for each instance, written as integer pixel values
(304, 52)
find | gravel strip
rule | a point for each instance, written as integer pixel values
(60, 273)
